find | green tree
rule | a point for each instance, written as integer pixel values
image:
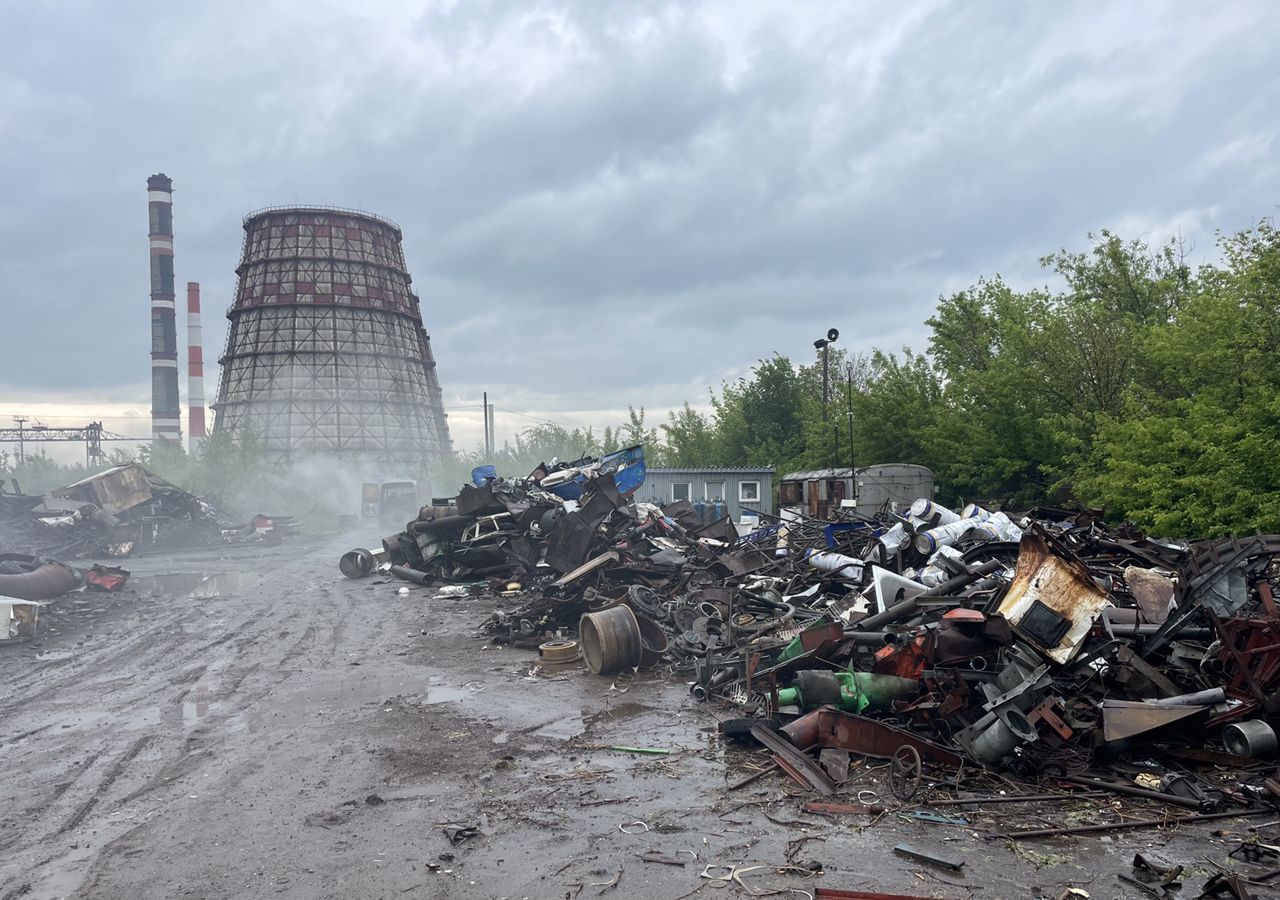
(1193, 450)
(759, 420)
(689, 439)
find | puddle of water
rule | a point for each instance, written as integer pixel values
(437, 691)
(562, 729)
(193, 586)
(617, 713)
(196, 705)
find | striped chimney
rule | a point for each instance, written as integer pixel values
(166, 420)
(195, 367)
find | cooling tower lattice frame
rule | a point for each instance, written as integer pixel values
(327, 353)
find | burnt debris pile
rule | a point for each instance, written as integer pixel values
(119, 512)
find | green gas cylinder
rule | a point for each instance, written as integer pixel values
(851, 691)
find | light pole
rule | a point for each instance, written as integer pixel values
(824, 344)
(853, 465)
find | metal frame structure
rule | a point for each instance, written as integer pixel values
(92, 435)
(326, 353)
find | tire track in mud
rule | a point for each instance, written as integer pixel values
(305, 642)
(89, 883)
(113, 773)
(100, 662)
(145, 663)
(155, 663)
(46, 808)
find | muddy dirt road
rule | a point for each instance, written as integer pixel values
(251, 724)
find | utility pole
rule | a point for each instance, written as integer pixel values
(488, 449)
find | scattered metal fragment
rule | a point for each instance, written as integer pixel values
(795, 762)
(1129, 824)
(911, 852)
(654, 856)
(851, 809)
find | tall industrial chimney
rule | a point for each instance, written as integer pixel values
(165, 421)
(195, 367)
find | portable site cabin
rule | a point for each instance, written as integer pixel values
(820, 493)
(715, 491)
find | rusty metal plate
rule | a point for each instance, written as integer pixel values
(1048, 580)
(831, 727)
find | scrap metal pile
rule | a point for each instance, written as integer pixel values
(1037, 642)
(118, 512)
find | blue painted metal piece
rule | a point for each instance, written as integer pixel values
(830, 530)
(570, 490)
(482, 475)
(763, 533)
(626, 465)
(628, 468)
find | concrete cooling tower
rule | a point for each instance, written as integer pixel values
(326, 353)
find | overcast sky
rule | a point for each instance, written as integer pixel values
(607, 203)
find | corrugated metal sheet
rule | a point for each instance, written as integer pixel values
(817, 474)
(898, 483)
(710, 469)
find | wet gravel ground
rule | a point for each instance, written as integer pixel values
(248, 723)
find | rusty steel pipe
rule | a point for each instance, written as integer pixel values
(46, 581)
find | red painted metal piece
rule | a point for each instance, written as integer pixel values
(1268, 601)
(1047, 713)
(907, 660)
(831, 727)
(1252, 667)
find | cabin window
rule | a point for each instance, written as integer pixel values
(749, 491)
(680, 491)
(715, 492)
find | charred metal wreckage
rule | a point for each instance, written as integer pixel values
(116, 513)
(121, 511)
(1045, 645)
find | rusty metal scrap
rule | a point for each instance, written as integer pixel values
(1050, 644)
(122, 511)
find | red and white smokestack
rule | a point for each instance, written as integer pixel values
(195, 367)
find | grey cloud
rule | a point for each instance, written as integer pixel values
(640, 199)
